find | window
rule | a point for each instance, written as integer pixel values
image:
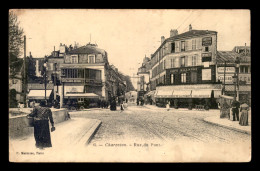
(193, 44)
(241, 69)
(206, 48)
(245, 79)
(248, 79)
(172, 78)
(177, 47)
(246, 69)
(14, 81)
(63, 72)
(164, 64)
(74, 59)
(183, 77)
(183, 61)
(182, 45)
(172, 47)
(172, 63)
(194, 60)
(91, 59)
(193, 77)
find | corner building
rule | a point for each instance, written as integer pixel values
(184, 68)
(83, 73)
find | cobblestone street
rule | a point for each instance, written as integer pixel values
(141, 123)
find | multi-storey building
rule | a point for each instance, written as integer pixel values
(184, 68)
(83, 73)
(144, 77)
(226, 61)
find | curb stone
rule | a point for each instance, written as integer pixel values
(235, 129)
(90, 134)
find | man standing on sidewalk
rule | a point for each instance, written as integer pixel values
(235, 110)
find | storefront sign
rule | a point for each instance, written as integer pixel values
(206, 74)
(174, 70)
(228, 69)
(206, 57)
(206, 41)
(228, 78)
(188, 69)
(184, 69)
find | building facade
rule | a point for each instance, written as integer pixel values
(183, 68)
(226, 65)
(143, 84)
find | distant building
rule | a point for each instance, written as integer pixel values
(226, 59)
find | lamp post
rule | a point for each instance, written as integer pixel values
(45, 80)
(237, 62)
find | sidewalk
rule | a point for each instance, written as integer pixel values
(227, 123)
(68, 137)
(215, 119)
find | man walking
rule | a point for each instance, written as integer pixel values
(235, 110)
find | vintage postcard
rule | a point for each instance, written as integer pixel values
(129, 85)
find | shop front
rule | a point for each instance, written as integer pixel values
(188, 96)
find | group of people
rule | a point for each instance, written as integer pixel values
(103, 104)
(140, 101)
(236, 108)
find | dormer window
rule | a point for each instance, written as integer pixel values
(91, 59)
(74, 59)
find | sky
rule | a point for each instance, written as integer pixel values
(127, 35)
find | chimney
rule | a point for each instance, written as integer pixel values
(245, 48)
(190, 27)
(162, 39)
(173, 32)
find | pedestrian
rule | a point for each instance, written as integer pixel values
(122, 107)
(235, 109)
(244, 114)
(168, 106)
(225, 110)
(42, 115)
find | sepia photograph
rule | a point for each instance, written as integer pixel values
(129, 85)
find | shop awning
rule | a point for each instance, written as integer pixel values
(164, 94)
(201, 93)
(150, 93)
(39, 94)
(217, 93)
(81, 95)
(227, 97)
(74, 89)
(181, 94)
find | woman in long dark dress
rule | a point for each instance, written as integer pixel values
(42, 115)
(244, 115)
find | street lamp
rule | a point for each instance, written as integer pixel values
(45, 80)
(237, 62)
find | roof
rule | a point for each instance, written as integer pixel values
(192, 33)
(88, 49)
(230, 57)
(226, 56)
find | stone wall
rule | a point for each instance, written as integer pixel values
(18, 125)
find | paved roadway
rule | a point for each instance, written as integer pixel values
(141, 123)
